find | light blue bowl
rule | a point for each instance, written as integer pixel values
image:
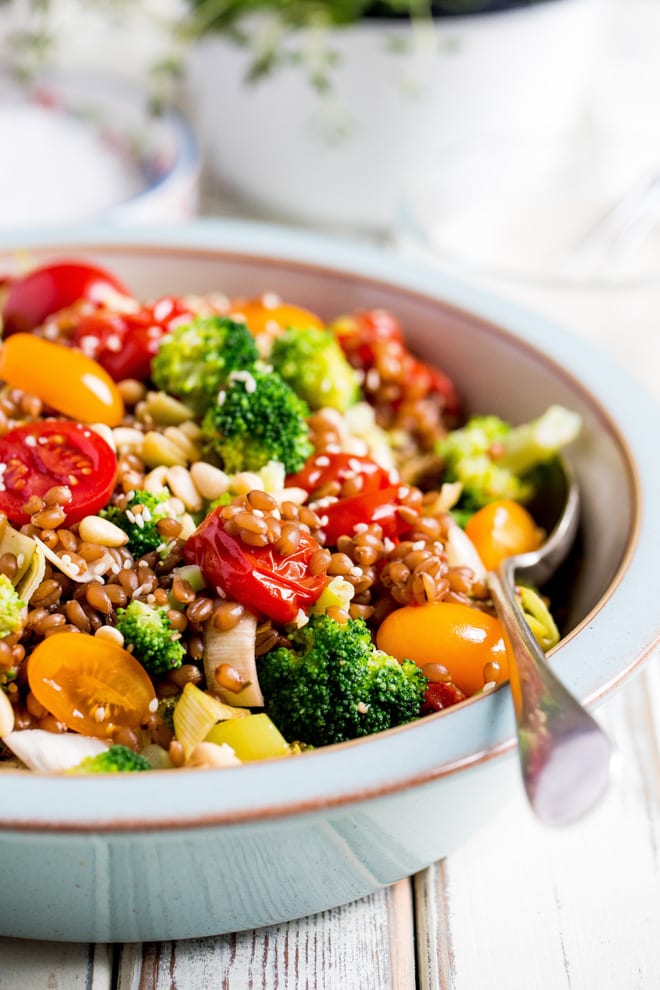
(178, 854)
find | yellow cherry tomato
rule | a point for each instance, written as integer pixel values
(91, 684)
(502, 529)
(468, 642)
(62, 378)
(269, 315)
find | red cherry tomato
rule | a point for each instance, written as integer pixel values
(323, 469)
(381, 507)
(260, 578)
(92, 685)
(49, 288)
(36, 456)
(125, 343)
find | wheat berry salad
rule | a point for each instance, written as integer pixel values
(229, 532)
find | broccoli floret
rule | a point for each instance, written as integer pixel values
(139, 519)
(493, 459)
(11, 608)
(116, 759)
(166, 708)
(311, 361)
(148, 631)
(258, 418)
(332, 684)
(195, 359)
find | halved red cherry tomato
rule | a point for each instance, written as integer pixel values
(62, 378)
(323, 469)
(260, 578)
(37, 456)
(501, 529)
(49, 288)
(92, 685)
(381, 507)
(468, 642)
(125, 343)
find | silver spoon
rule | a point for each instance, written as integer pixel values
(565, 757)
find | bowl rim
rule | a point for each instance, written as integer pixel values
(400, 758)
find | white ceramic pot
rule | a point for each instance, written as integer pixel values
(342, 161)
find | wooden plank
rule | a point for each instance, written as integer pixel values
(526, 907)
(367, 945)
(54, 965)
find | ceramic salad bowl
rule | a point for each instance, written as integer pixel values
(190, 853)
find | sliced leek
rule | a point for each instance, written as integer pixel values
(196, 713)
(235, 648)
(30, 560)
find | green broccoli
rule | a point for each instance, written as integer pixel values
(493, 459)
(139, 519)
(147, 630)
(11, 608)
(333, 684)
(258, 418)
(311, 361)
(116, 759)
(195, 359)
(166, 708)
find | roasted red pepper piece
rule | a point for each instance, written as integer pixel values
(260, 578)
(324, 468)
(381, 507)
(439, 696)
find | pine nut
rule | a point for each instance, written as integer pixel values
(180, 483)
(210, 755)
(95, 529)
(6, 715)
(128, 440)
(131, 390)
(292, 494)
(111, 634)
(209, 481)
(154, 482)
(246, 481)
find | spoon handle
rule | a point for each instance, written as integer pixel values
(565, 756)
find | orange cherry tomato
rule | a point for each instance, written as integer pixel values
(468, 642)
(91, 684)
(501, 529)
(269, 315)
(62, 378)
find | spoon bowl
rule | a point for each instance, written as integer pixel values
(565, 757)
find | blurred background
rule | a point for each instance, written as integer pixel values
(515, 142)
